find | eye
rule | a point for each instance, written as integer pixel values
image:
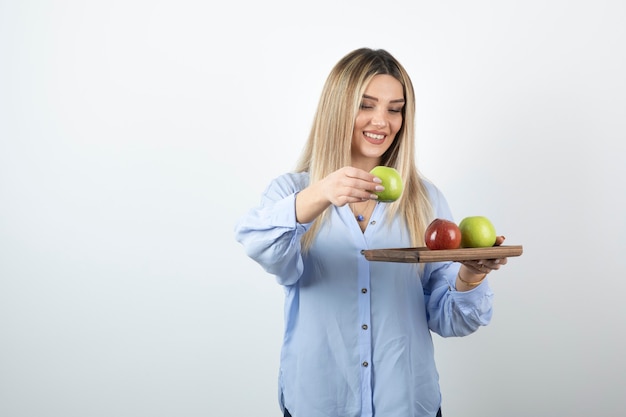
(366, 106)
(395, 110)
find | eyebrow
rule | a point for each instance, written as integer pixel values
(399, 100)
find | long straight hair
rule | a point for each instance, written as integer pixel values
(328, 147)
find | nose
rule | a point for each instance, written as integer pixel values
(379, 119)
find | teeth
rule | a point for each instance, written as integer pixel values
(373, 136)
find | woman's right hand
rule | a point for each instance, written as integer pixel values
(344, 186)
(349, 185)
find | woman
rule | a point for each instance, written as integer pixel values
(357, 338)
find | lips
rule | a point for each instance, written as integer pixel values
(375, 138)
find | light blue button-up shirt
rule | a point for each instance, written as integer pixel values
(357, 337)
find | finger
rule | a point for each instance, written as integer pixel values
(492, 264)
(482, 268)
(360, 188)
(358, 173)
(366, 196)
(365, 180)
(476, 267)
(485, 266)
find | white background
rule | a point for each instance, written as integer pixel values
(133, 134)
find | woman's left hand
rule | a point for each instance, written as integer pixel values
(484, 266)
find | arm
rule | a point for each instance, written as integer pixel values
(450, 311)
(458, 297)
(270, 233)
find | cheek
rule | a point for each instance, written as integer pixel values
(360, 122)
(396, 125)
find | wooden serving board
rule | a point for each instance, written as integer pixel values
(423, 254)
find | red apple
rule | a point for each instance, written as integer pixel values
(442, 234)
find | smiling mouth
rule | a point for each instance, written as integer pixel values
(373, 136)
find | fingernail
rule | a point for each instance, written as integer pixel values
(378, 180)
(373, 196)
(379, 188)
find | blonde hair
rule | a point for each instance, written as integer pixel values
(328, 146)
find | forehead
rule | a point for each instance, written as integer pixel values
(384, 86)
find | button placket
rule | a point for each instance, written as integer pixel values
(364, 336)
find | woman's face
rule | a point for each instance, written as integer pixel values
(378, 121)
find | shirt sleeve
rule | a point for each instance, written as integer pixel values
(455, 313)
(270, 233)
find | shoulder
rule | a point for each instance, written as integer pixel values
(437, 198)
(434, 193)
(288, 183)
(294, 181)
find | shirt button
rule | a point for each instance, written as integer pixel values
(373, 222)
(365, 364)
(364, 290)
(364, 327)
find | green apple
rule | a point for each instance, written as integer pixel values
(477, 232)
(392, 181)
